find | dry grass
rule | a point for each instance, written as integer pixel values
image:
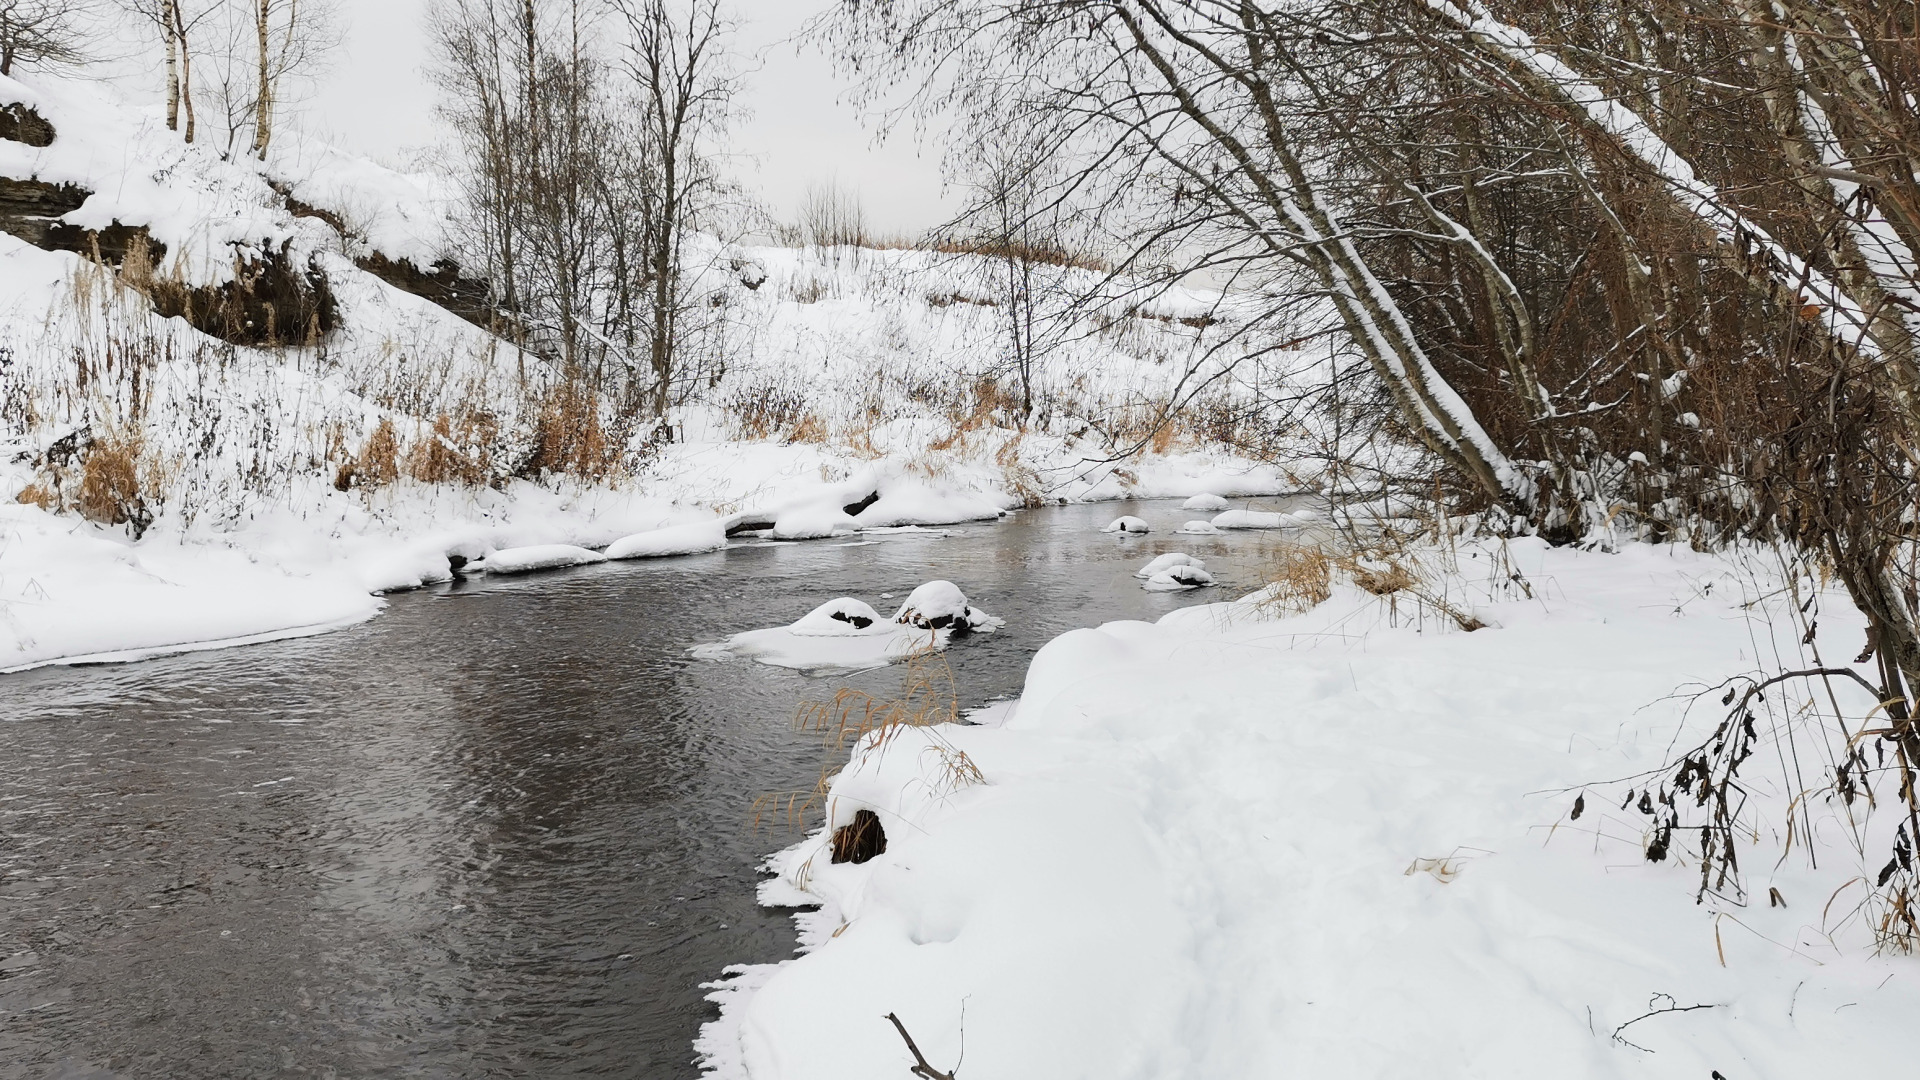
(1415, 585)
(569, 437)
(1043, 253)
(928, 697)
(110, 489)
(762, 411)
(810, 428)
(376, 465)
(455, 451)
(42, 496)
(1299, 579)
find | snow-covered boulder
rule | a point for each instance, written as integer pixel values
(540, 557)
(1205, 501)
(1128, 524)
(1178, 579)
(672, 540)
(836, 618)
(940, 605)
(907, 502)
(1260, 519)
(845, 634)
(812, 520)
(1199, 528)
(1171, 559)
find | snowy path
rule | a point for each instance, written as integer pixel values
(1195, 855)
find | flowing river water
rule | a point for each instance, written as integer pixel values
(503, 829)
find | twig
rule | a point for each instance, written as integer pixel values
(921, 1068)
(1652, 1010)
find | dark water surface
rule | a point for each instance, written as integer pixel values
(504, 829)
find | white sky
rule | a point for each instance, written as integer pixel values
(376, 100)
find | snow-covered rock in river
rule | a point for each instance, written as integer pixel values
(1205, 501)
(847, 635)
(903, 502)
(1128, 524)
(940, 605)
(540, 557)
(1178, 579)
(813, 520)
(1171, 559)
(836, 618)
(1199, 528)
(1261, 519)
(672, 540)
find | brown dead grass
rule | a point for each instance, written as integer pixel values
(36, 494)
(569, 437)
(928, 697)
(809, 429)
(1299, 578)
(455, 451)
(110, 489)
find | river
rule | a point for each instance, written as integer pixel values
(503, 829)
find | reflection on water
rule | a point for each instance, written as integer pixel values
(501, 830)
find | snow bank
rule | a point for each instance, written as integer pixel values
(1205, 501)
(1127, 524)
(539, 557)
(1338, 844)
(1199, 528)
(71, 592)
(673, 540)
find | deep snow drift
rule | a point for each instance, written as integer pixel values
(1247, 841)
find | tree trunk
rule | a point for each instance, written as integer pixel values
(263, 99)
(173, 65)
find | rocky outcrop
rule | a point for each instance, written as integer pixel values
(271, 300)
(31, 210)
(443, 283)
(469, 298)
(21, 123)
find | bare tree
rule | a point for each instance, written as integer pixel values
(1009, 222)
(683, 86)
(831, 215)
(584, 189)
(42, 32)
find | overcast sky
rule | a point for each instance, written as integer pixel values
(376, 100)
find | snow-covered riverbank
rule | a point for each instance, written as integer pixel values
(72, 590)
(1246, 842)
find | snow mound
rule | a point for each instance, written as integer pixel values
(1199, 528)
(1204, 501)
(1262, 519)
(672, 540)
(540, 557)
(836, 618)
(909, 503)
(1128, 524)
(1178, 579)
(1171, 559)
(845, 634)
(940, 605)
(810, 521)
